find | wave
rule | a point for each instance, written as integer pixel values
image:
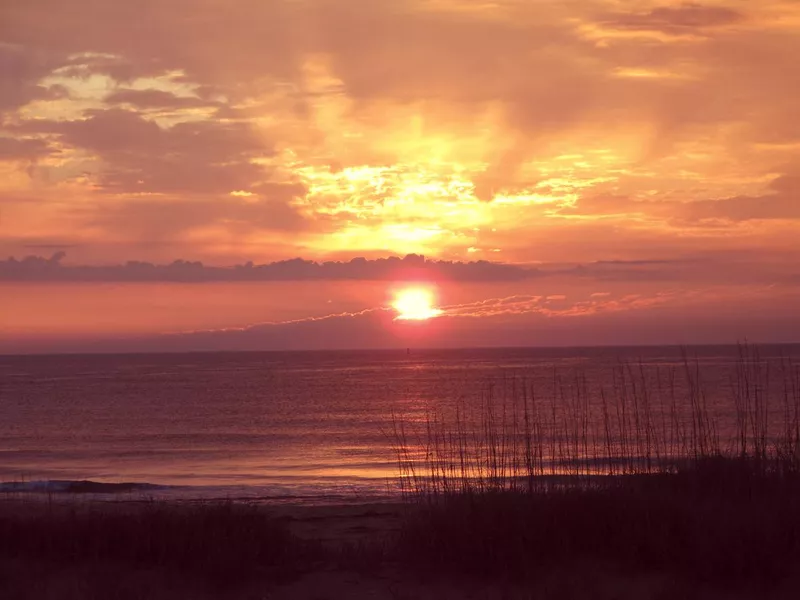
(84, 486)
(337, 492)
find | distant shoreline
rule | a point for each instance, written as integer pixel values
(399, 350)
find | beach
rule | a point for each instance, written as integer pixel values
(23, 579)
(617, 542)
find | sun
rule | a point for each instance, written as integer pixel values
(415, 304)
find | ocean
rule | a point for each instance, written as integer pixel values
(315, 427)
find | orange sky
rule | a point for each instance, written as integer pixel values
(555, 134)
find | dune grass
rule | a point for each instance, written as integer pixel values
(716, 535)
(221, 544)
(644, 477)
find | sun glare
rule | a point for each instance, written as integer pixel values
(415, 304)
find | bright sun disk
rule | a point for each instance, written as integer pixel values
(415, 304)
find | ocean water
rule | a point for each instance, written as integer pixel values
(312, 426)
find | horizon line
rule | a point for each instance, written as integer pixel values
(402, 349)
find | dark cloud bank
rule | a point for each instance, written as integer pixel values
(409, 268)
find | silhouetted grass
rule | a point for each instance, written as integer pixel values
(719, 534)
(220, 543)
(640, 477)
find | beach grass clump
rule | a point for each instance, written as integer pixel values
(646, 476)
(221, 543)
(712, 535)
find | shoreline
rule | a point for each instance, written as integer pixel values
(321, 522)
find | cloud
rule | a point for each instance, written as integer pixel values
(155, 99)
(367, 328)
(51, 246)
(20, 72)
(167, 219)
(22, 149)
(693, 270)
(410, 268)
(559, 306)
(744, 208)
(659, 123)
(782, 202)
(609, 204)
(676, 19)
(141, 156)
(517, 304)
(256, 35)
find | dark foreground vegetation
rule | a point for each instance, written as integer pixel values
(646, 482)
(647, 476)
(720, 524)
(223, 543)
(123, 550)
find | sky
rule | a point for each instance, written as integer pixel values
(271, 174)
